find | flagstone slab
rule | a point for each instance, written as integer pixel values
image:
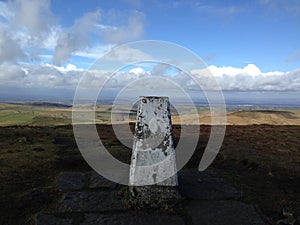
(223, 212)
(98, 181)
(45, 219)
(205, 185)
(132, 219)
(71, 181)
(91, 201)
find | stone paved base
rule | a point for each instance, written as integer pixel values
(70, 181)
(205, 186)
(89, 199)
(222, 212)
(132, 219)
(44, 219)
(97, 181)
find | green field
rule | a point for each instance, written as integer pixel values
(16, 119)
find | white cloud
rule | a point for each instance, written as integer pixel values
(50, 76)
(160, 69)
(34, 15)
(250, 70)
(131, 31)
(138, 71)
(126, 54)
(24, 25)
(11, 73)
(250, 78)
(76, 37)
(64, 69)
(94, 52)
(51, 40)
(31, 27)
(10, 50)
(40, 76)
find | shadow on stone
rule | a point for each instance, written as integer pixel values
(223, 212)
(207, 185)
(70, 181)
(45, 219)
(98, 181)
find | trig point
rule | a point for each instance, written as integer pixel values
(153, 174)
(153, 144)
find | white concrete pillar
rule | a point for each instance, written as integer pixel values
(153, 144)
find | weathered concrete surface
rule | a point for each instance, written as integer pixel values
(222, 212)
(98, 181)
(70, 181)
(91, 201)
(205, 185)
(153, 156)
(132, 219)
(45, 219)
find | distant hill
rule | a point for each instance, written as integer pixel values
(50, 104)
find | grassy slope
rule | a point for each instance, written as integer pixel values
(22, 114)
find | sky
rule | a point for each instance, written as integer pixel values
(249, 46)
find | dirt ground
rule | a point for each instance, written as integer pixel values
(263, 161)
